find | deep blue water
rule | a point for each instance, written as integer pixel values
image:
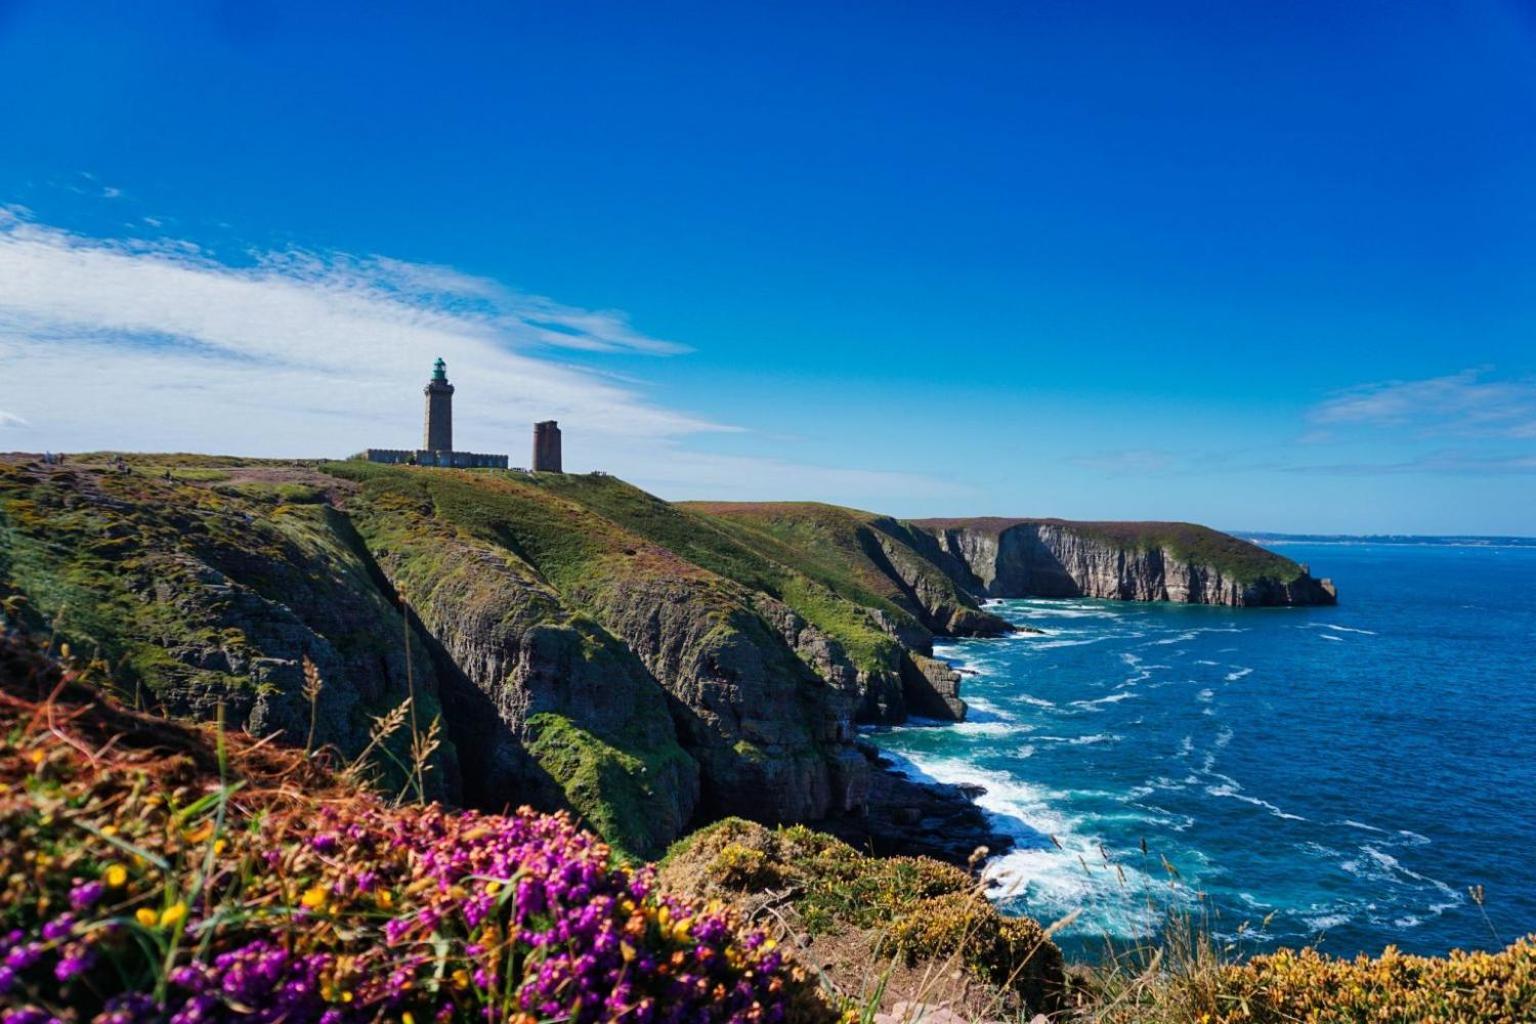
(1349, 771)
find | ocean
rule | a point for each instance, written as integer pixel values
(1331, 776)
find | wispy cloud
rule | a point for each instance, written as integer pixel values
(161, 346)
(178, 347)
(1442, 462)
(1465, 404)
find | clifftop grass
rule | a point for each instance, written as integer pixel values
(196, 592)
(828, 598)
(848, 547)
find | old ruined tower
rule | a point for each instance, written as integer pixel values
(438, 432)
(546, 447)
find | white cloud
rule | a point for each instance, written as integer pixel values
(1441, 462)
(160, 346)
(1463, 404)
(9, 419)
(124, 344)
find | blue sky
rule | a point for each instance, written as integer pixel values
(1262, 266)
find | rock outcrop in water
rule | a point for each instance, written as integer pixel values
(1121, 561)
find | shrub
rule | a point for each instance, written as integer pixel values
(919, 909)
(1290, 985)
(156, 872)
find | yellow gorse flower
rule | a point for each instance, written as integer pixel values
(173, 914)
(116, 876)
(313, 897)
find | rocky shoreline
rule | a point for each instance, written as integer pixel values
(908, 817)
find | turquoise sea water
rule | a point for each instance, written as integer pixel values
(1346, 771)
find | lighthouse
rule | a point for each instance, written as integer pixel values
(438, 434)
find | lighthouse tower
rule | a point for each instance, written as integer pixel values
(439, 420)
(437, 441)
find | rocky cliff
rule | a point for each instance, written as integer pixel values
(579, 642)
(1122, 561)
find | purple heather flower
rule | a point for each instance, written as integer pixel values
(188, 977)
(27, 1015)
(128, 1008)
(22, 957)
(59, 927)
(76, 961)
(86, 895)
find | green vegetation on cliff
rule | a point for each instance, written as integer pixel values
(586, 644)
(619, 793)
(1231, 556)
(199, 594)
(829, 599)
(852, 911)
(868, 554)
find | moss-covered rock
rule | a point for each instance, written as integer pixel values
(205, 598)
(826, 896)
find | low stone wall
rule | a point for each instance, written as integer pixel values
(450, 460)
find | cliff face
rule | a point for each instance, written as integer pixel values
(204, 599)
(583, 644)
(571, 660)
(1121, 561)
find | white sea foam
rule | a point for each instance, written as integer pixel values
(1376, 865)
(1046, 645)
(983, 710)
(1326, 921)
(1348, 629)
(1036, 612)
(1239, 673)
(1205, 695)
(1230, 788)
(988, 728)
(1052, 878)
(1224, 737)
(1113, 698)
(1081, 741)
(1326, 636)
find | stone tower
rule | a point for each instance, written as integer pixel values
(439, 421)
(546, 447)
